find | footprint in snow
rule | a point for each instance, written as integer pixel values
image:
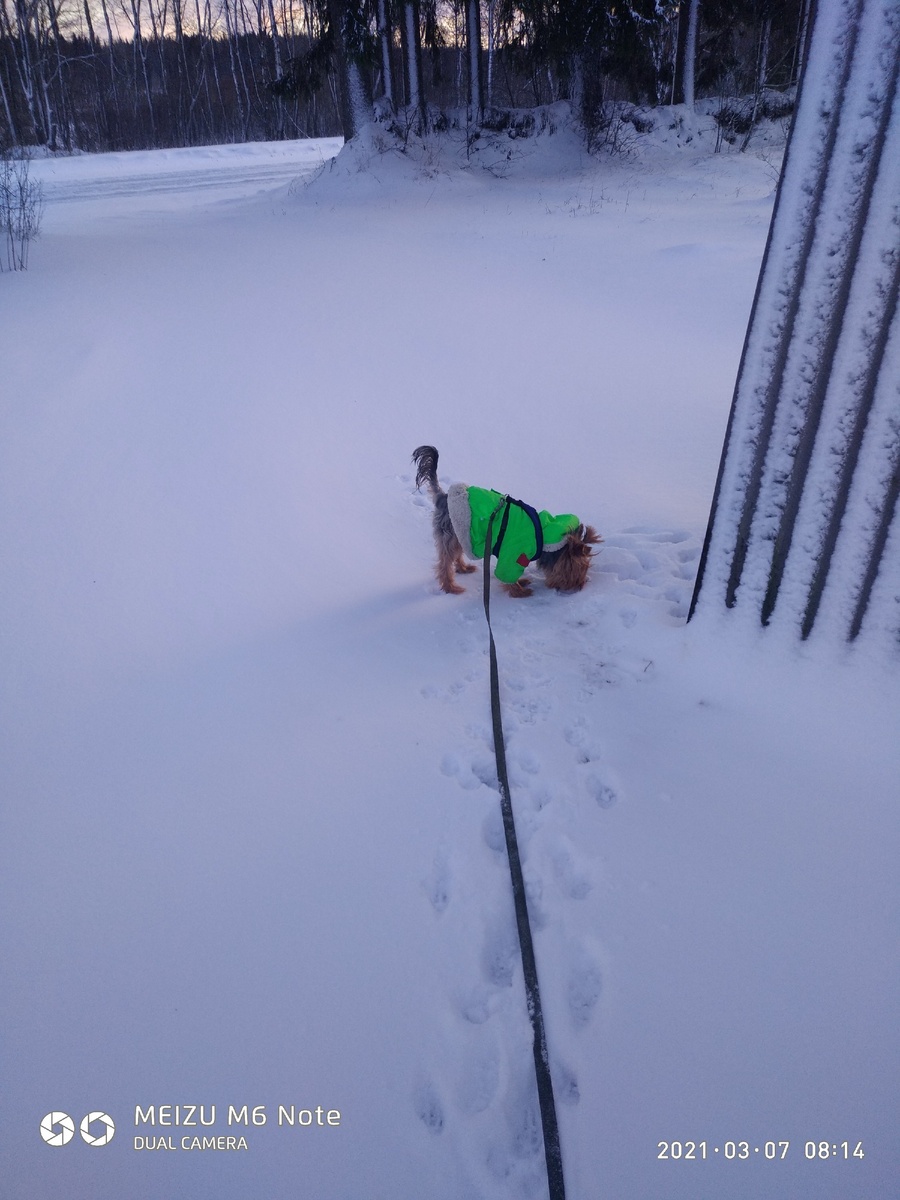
(498, 956)
(576, 732)
(573, 881)
(479, 1076)
(470, 777)
(493, 832)
(437, 887)
(579, 737)
(678, 602)
(428, 1108)
(522, 1114)
(476, 1005)
(589, 754)
(534, 892)
(529, 709)
(565, 1085)
(526, 762)
(540, 797)
(603, 792)
(583, 988)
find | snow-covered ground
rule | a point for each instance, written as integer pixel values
(252, 850)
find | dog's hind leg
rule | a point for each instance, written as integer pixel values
(446, 566)
(445, 577)
(449, 551)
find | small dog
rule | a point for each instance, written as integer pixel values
(560, 546)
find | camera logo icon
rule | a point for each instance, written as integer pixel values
(98, 1139)
(57, 1128)
(97, 1129)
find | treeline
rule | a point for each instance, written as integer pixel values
(133, 74)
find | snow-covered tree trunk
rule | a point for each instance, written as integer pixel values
(348, 22)
(473, 48)
(412, 65)
(686, 53)
(805, 530)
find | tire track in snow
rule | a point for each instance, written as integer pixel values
(236, 179)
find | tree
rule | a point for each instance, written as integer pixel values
(385, 46)
(352, 45)
(411, 40)
(686, 53)
(473, 57)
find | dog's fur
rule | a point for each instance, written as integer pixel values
(565, 569)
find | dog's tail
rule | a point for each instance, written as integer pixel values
(426, 460)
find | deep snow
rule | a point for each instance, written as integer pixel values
(252, 851)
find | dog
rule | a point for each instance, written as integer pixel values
(559, 546)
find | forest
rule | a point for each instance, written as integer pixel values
(96, 75)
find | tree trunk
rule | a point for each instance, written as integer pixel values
(412, 64)
(802, 38)
(346, 19)
(13, 135)
(686, 53)
(385, 46)
(762, 70)
(473, 46)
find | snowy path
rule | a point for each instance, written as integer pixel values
(191, 177)
(251, 853)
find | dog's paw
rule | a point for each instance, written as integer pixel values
(452, 589)
(466, 568)
(518, 591)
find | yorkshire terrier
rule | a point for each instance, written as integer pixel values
(559, 546)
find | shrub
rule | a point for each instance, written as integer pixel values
(21, 209)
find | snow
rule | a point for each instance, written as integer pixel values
(252, 848)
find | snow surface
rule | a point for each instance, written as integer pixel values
(252, 850)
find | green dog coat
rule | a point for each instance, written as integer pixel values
(470, 509)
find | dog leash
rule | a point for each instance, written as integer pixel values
(549, 1125)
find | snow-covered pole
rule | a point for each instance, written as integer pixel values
(804, 522)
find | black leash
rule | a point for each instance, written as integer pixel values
(549, 1124)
